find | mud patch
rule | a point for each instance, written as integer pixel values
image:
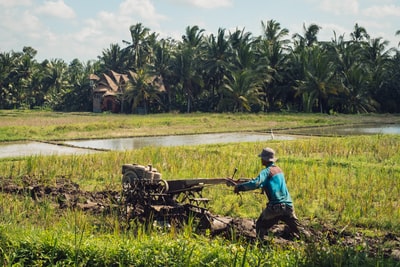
(63, 194)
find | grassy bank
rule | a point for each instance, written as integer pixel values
(40, 125)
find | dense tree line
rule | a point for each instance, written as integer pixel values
(222, 72)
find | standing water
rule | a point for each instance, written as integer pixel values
(92, 146)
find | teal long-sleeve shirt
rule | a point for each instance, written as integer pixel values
(272, 180)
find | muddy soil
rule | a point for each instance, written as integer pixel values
(65, 194)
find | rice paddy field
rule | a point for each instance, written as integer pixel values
(344, 186)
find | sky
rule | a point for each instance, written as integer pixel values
(83, 29)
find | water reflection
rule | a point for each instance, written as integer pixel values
(390, 129)
(92, 146)
(354, 130)
(37, 148)
(174, 140)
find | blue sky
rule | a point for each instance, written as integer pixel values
(82, 29)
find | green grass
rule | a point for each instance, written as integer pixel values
(349, 182)
(73, 241)
(346, 182)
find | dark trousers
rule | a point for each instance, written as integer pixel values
(272, 214)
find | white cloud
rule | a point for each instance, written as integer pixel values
(14, 3)
(338, 7)
(28, 24)
(329, 30)
(56, 9)
(97, 34)
(382, 11)
(209, 4)
(37, 23)
(144, 9)
(91, 30)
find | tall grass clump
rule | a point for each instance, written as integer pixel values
(44, 248)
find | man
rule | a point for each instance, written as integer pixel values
(280, 205)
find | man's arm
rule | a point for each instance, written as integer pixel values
(255, 183)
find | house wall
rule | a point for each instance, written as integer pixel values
(110, 103)
(97, 99)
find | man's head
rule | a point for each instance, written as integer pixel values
(268, 155)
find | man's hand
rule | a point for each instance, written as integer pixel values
(230, 182)
(236, 189)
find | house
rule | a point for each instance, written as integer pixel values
(107, 90)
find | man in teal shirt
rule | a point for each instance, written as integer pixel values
(280, 205)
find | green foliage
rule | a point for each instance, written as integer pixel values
(223, 72)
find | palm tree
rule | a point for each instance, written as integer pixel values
(359, 34)
(37, 91)
(193, 37)
(239, 38)
(398, 33)
(20, 77)
(344, 53)
(378, 59)
(388, 94)
(272, 31)
(243, 53)
(114, 58)
(376, 51)
(141, 90)
(272, 51)
(163, 67)
(140, 44)
(356, 98)
(241, 91)
(27, 67)
(309, 38)
(320, 80)
(217, 65)
(8, 69)
(188, 64)
(16, 72)
(79, 97)
(56, 82)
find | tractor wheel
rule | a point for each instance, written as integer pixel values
(164, 187)
(129, 177)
